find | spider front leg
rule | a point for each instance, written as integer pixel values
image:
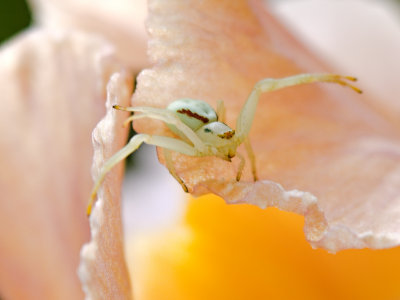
(252, 158)
(133, 144)
(167, 117)
(246, 116)
(241, 166)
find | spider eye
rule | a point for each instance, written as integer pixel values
(194, 113)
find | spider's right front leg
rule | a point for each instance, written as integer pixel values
(133, 144)
(246, 116)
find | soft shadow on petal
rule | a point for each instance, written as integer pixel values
(322, 139)
(52, 90)
(120, 21)
(103, 271)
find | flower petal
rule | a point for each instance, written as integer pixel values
(103, 271)
(120, 21)
(316, 138)
(367, 31)
(53, 92)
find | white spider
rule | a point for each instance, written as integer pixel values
(202, 131)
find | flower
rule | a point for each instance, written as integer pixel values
(330, 142)
(221, 251)
(321, 140)
(332, 145)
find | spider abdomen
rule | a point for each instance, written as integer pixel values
(194, 113)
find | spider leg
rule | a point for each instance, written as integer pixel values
(221, 111)
(252, 158)
(246, 116)
(171, 169)
(167, 117)
(241, 166)
(133, 144)
(128, 120)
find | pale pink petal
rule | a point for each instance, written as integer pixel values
(120, 21)
(103, 271)
(321, 139)
(52, 94)
(368, 31)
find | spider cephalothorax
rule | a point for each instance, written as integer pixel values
(201, 129)
(207, 124)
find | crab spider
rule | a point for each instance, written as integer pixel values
(201, 130)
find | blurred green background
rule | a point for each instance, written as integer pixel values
(14, 17)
